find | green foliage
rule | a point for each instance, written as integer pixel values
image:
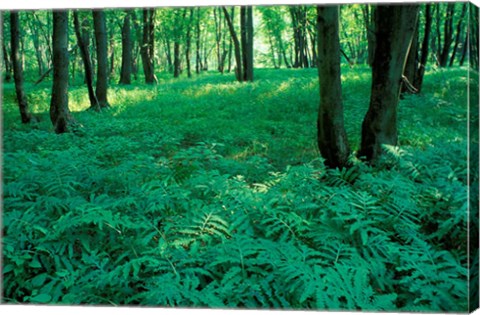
(211, 195)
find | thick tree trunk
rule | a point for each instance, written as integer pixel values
(395, 25)
(59, 112)
(458, 34)
(83, 43)
(17, 67)
(126, 70)
(418, 82)
(147, 49)
(236, 44)
(332, 138)
(100, 26)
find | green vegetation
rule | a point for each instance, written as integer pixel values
(209, 192)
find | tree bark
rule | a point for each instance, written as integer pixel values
(83, 43)
(236, 44)
(395, 25)
(332, 138)
(17, 67)
(59, 111)
(411, 64)
(458, 34)
(418, 82)
(368, 12)
(249, 47)
(448, 35)
(148, 45)
(188, 44)
(101, 88)
(127, 62)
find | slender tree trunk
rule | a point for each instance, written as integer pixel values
(395, 25)
(126, 70)
(465, 47)
(6, 60)
(459, 32)
(111, 49)
(249, 48)
(332, 138)
(100, 26)
(236, 44)
(17, 67)
(411, 64)
(83, 43)
(197, 44)
(176, 59)
(418, 82)
(36, 44)
(59, 111)
(448, 35)
(188, 44)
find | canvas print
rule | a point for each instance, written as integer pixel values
(290, 157)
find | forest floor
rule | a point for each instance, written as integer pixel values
(208, 192)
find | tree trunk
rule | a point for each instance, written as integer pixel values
(59, 112)
(411, 64)
(197, 44)
(459, 32)
(395, 25)
(36, 44)
(332, 138)
(249, 47)
(126, 70)
(111, 49)
(418, 82)
(83, 43)
(368, 12)
(236, 44)
(100, 26)
(17, 67)
(147, 49)
(178, 32)
(448, 35)
(188, 44)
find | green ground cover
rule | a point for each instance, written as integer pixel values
(208, 192)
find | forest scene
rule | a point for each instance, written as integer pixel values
(305, 157)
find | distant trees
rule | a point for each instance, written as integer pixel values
(17, 67)
(59, 111)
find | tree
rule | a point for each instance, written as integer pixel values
(188, 43)
(59, 111)
(368, 12)
(7, 64)
(127, 62)
(418, 80)
(395, 25)
(332, 139)
(148, 45)
(17, 67)
(236, 44)
(100, 26)
(459, 29)
(83, 41)
(246, 27)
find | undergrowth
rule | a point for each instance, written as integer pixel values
(210, 193)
